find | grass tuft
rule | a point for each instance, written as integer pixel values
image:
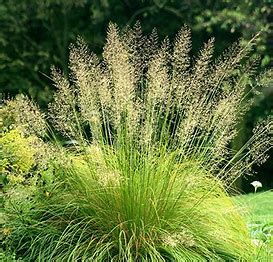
(148, 169)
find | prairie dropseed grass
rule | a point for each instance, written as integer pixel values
(148, 176)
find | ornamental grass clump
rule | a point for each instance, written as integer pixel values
(147, 175)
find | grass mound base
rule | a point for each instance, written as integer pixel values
(162, 211)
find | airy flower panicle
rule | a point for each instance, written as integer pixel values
(152, 93)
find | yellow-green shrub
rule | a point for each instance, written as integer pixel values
(17, 155)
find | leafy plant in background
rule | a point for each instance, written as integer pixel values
(147, 176)
(23, 169)
(19, 153)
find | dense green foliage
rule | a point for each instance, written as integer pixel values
(36, 34)
(252, 206)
